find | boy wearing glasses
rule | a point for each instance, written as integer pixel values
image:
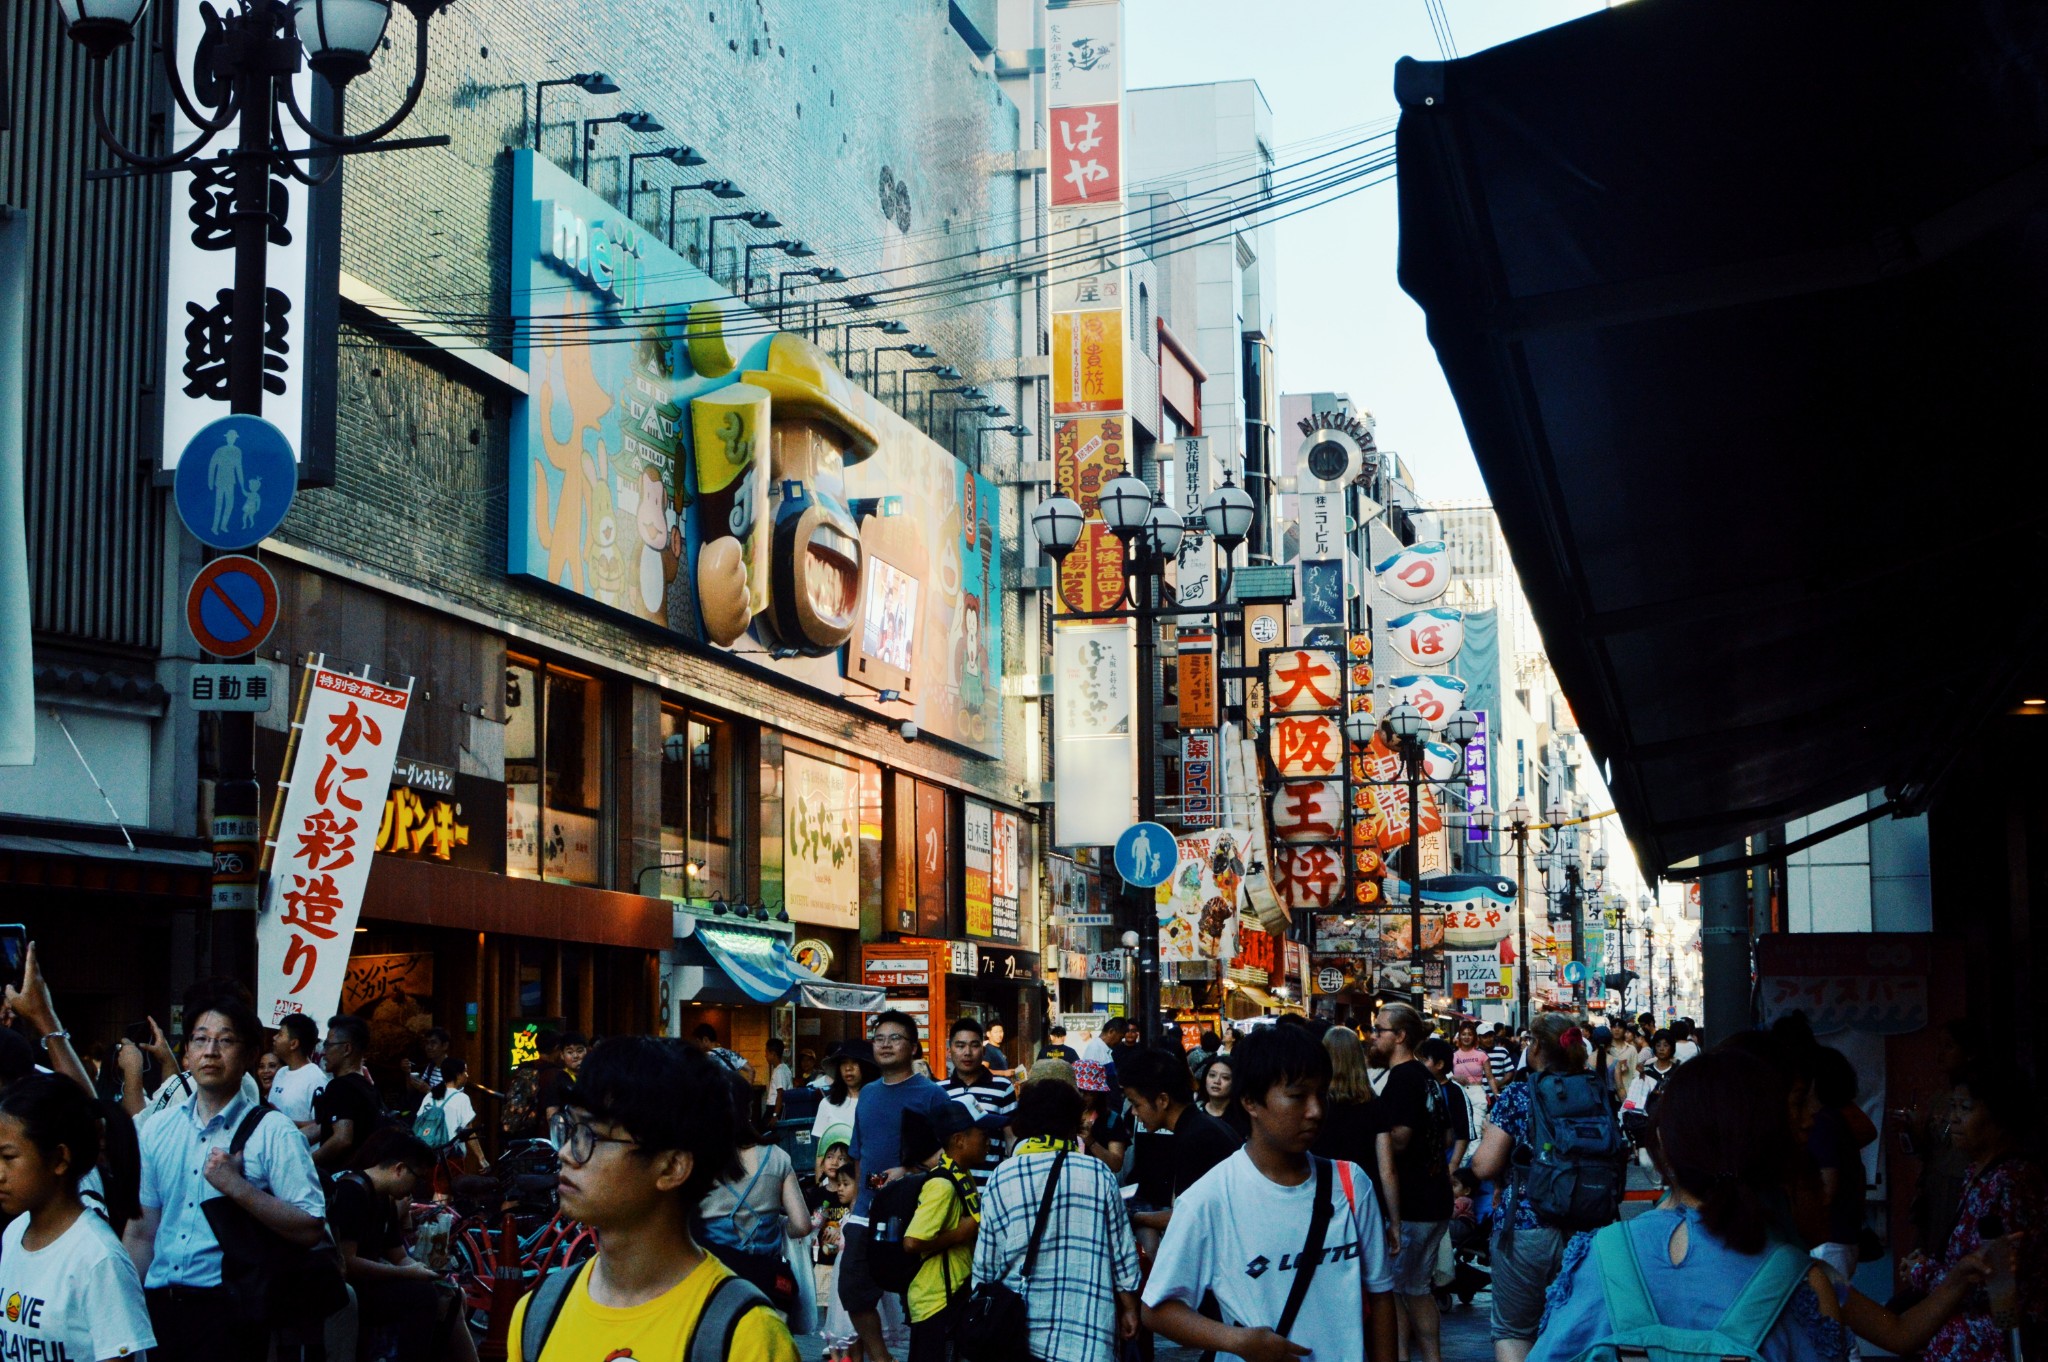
(877, 1152)
(647, 1132)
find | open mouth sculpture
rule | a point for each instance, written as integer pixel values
(816, 570)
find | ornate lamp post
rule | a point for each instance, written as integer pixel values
(248, 64)
(1149, 533)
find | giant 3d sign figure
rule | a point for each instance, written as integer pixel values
(752, 501)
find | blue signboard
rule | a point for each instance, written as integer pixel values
(1322, 591)
(1146, 855)
(235, 481)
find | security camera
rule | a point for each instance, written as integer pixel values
(908, 730)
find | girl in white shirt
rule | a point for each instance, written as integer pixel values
(458, 1114)
(67, 1287)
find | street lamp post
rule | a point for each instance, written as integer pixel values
(1149, 533)
(794, 248)
(1517, 816)
(821, 274)
(258, 51)
(888, 326)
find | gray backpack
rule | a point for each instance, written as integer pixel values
(711, 1341)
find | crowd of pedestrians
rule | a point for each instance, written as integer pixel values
(1306, 1189)
(1297, 1189)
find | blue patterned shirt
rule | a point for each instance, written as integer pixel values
(1086, 1257)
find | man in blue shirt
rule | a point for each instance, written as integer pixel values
(186, 1163)
(877, 1152)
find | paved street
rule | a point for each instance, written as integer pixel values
(1465, 1339)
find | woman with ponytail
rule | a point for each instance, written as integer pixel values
(70, 1288)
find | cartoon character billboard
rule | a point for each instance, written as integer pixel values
(751, 500)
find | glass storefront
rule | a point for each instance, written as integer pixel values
(554, 773)
(699, 771)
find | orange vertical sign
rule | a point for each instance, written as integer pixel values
(1088, 361)
(1088, 451)
(1197, 679)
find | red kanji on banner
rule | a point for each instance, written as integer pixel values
(327, 843)
(1304, 679)
(1307, 878)
(313, 903)
(1308, 811)
(1306, 746)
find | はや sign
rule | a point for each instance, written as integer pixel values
(326, 834)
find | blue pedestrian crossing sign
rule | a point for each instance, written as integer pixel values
(1146, 855)
(235, 481)
(1575, 972)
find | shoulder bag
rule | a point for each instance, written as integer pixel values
(268, 1277)
(996, 1325)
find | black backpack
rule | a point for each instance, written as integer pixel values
(1572, 1166)
(890, 1264)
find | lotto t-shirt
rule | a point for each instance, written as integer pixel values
(1239, 1235)
(77, 1299)
(586, 1331)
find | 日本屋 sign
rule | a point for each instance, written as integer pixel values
(346, 744)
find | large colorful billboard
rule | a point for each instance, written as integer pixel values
(737, 492)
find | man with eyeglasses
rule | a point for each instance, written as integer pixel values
(877, 1152)
(645, 1135)
(185, 1163)
(348, 1108)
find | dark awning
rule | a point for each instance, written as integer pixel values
(1745, 306)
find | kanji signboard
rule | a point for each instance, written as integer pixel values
(1417, 574)
(1087, 155)
(327, 830)
(1088, 361)
(229, 686)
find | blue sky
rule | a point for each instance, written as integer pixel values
(1344, 323)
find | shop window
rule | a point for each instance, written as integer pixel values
(554, 773)
(698, 799)
(870, 850)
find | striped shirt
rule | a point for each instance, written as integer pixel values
(1501, 1059)
(992, 1096)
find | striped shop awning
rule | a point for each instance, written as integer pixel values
(761, 967)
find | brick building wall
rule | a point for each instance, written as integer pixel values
(813, 108)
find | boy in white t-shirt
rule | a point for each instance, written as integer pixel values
(297, 1047)
(1241, 1231)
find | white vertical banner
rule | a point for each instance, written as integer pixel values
(202, 260)
(326, 833)
(1094, 771)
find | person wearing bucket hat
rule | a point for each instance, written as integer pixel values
(1103, 1132)
(852, 1066)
